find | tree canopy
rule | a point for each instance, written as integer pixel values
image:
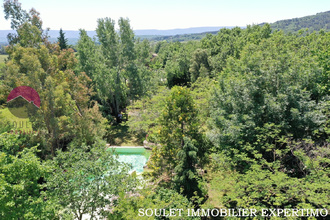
(237, 120)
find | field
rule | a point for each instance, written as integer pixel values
(120, 135)
(21, 124)
(2, 58)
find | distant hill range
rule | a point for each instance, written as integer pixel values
(73, 36)
(312, 22)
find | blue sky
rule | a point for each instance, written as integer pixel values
(167, 14)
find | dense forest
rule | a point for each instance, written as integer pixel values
(240, 119)
(312, 22)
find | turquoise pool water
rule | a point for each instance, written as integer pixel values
(137, 157)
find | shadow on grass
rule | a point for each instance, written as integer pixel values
(119, 135)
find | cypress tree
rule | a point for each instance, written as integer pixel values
(62, 40)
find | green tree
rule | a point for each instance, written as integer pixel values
(199, 65)
(65, 94)
(27, 24)
(22, 191)
(147, 111)
(178, 120)
(187, 178)
(270, 126)
(87, 56)
(176, 58)
(117, 75)
(126, 35)
(62, 41)
(110, 79)
(87, 179)
(109, 41)
(160, 199)
(143, 52)
(177, 72)
(127, 59)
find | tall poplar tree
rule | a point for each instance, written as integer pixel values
(110, 82)
(113, 64)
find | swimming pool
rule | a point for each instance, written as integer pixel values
(137, 157)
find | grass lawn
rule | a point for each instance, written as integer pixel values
(119, 135)
(2, 58)
(217, 182)
(21, 123)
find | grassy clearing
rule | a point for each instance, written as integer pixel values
(2, 58)
(119, 135)
(217, 182)
(22, 124)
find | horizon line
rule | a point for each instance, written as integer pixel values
(151, 29)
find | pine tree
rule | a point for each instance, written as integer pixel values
(62, 41)
(186, 178)
(178, 121)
